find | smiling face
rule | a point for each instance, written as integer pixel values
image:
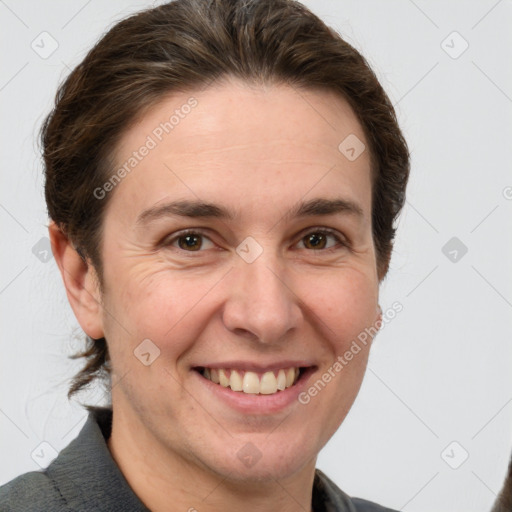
(240, 245)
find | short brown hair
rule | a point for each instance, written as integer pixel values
(190, 43)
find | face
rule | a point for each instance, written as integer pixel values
(238, 249)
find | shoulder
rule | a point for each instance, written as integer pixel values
(82, 477)
(328, 496)
(369, 506)
(31, 492)
(58, 487)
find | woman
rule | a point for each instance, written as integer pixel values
(222, 179)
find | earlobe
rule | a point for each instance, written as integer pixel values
(81, 283)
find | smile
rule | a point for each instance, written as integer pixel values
(265, 383)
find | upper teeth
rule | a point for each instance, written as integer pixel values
(252, 382)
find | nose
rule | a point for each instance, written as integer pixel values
(262, 303)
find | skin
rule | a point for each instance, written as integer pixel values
(170, 436)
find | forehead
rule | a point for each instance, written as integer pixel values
(274, 143)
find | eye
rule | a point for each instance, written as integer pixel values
(195, 241)
(318, 239)
(191, 241)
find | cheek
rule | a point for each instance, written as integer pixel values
(154, 303)
(345, 306)
(172, 309)
(345, 303)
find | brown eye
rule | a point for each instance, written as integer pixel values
(190, 242)
(315, 240)
(321, 239)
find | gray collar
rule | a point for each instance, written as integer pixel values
(87, 477)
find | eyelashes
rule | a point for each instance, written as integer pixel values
(314, 240)
(189, 237)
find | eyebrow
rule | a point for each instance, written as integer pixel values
(203, 210)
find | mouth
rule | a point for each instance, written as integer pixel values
(255, 383)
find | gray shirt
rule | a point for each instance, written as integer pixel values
(85, 477)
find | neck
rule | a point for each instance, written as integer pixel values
(164, 480)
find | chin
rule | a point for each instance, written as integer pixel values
(254, 460)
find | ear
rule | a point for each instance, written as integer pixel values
(81, 282)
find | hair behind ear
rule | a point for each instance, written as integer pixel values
(97, 364)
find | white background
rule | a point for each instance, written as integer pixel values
(439, 372)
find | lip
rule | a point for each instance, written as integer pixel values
(250, 366)
(247, 403)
